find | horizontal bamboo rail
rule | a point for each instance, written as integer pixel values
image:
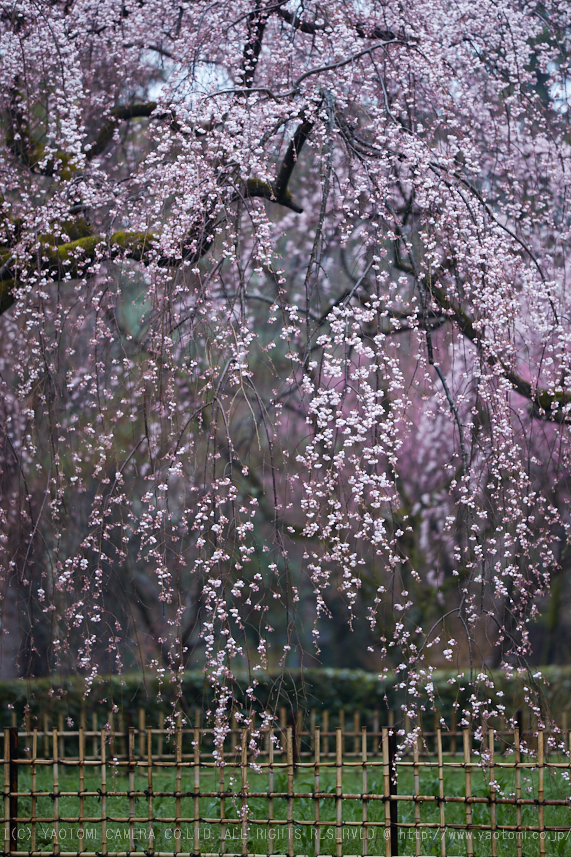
(303, 725)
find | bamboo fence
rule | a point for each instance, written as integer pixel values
(121, 771)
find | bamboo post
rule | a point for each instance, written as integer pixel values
(312, 729)
(326, 733)
(103, 793)
(196, 760)
(7, 789)
(121, 730)
(316, 815)
(14, 787)
(407, 729)
(34, 786)
(364, 791)
(160, 736)
(60, 727)
(55, 774)
(233, 733)
(94, 729)
(441, 794)
(493, 824)
(541, 792)
(112, 736)
(342, 727)
(81, 831)
(376, 733)
(271, 791)
(298, 731)
(131, 774)
(289, 818)
(468, 780)
(142, 732)
(518, 792)
(394, 807)
(178, 832)
(416, 769)
(453, 734)
(356, 730)
(7, 838)
(568, 734)
(46, 736)
(244, 789)
(150, 843)
(222, 804)
(387, 791)
(339, 791)
(519, 724)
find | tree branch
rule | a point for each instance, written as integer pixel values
(279, 191)
(544, 405)
(363, 30)
(256, 25)
(119, 114)
(290, 159)
(74, 256)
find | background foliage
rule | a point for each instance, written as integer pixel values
(317, 689)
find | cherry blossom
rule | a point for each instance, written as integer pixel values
(285, 324)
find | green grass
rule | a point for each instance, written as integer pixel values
(303, 809)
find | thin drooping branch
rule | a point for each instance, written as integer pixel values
(29, 151)
(296, 88)
(440, 373)
(313, 258)
(545, 405)
(363, 29)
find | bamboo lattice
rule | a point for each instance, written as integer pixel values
(140, 791)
